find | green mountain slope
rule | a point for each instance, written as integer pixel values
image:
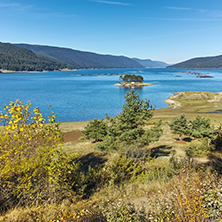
(199, 63)
(19, 59)
(82, 59)
(148, 63)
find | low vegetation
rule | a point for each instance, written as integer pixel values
(145, 175)
(200, 127)
(32, 165)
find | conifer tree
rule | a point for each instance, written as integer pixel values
(179, 125)
(96, 129)
(127, 128)
(201, 127)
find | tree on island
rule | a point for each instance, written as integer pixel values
(131, 78)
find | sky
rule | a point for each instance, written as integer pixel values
(161, 30)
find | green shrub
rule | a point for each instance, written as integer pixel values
(200, 127)
(122, 169)
(179, 125)
(217, 141)
(96, 129)
(159, 170)
(197, 149)
(124, 212)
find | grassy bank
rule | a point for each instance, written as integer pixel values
(191, 104)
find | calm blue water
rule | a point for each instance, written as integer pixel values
(88, 94)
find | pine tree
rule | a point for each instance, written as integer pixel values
(127, 128)
(200, 127)
(179, 125)
(96, 129)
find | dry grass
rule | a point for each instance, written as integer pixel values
(133, 191)
(193, 103)
(71, 126)
(168, 143)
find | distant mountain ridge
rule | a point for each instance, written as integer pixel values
(148, 63)
(81, 59)
(209, 62)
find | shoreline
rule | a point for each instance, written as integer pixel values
(171, 102)
(173, 108)
(191, 68)
(12, 71)
(132, 84)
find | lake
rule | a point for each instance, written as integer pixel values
(87, 94)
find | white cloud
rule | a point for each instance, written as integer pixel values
(32, 10)
(15, 6)
(53, 15)
(111, 3)
(9, 5)
(179, 8)
(188, 9)
(186, 19)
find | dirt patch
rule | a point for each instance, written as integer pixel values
(72, 136)
(180, 142)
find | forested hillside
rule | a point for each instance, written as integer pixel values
(148, 63)
(19, 59)
(200, 63)
(82, 59)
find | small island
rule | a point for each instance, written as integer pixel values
(132, 81)
(199, 74)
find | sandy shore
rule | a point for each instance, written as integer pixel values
(11, 71)
(132, 84)
(67, 70)
(172, 102)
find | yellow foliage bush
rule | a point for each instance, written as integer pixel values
(30, 159)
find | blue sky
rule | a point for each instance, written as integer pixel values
(165, 30)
